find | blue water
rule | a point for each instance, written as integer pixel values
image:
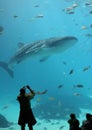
(28, 21)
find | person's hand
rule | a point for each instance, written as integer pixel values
(44, 92)
(30, 89)
(28, 86)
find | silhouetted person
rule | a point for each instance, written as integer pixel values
(87, 124)
(26, 115)
(73, 122)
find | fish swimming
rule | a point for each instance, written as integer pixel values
(71, 71)
(78, 85)
(42, 48)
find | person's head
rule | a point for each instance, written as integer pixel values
(88, 116)
(22, 91)
(72, 115)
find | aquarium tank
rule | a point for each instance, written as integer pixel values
(46, 44)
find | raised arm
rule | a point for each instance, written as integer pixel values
(28, 87)
(36, 93)
(43, 92)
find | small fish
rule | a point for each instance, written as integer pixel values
(64, 62)
(51, 98)
(40, 16)
(86, 68)
(90, 12)
(79, 86)
(89, 35)
(5, 107)
(15, 16)
(43, 59)
(36, 5)
(84, 27)
(71, 12)
(71, 71)
(60, 86)
(77, 94)
(88, 3)
(75, 5)
(91, 25)
(61, 127)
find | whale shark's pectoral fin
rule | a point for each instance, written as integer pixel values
(44, 58)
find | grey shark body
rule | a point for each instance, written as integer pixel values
(42, 49)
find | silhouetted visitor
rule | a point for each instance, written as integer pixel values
(87, 124)
(26, 115)
(73, 122)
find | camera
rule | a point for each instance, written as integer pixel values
(24, 87)
(27, 86)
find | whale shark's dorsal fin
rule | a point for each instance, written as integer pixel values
(20, 44)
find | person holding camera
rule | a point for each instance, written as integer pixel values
(26, 115)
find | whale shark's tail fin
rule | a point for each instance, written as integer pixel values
(6, 68)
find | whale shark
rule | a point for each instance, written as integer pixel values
(42, 49)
